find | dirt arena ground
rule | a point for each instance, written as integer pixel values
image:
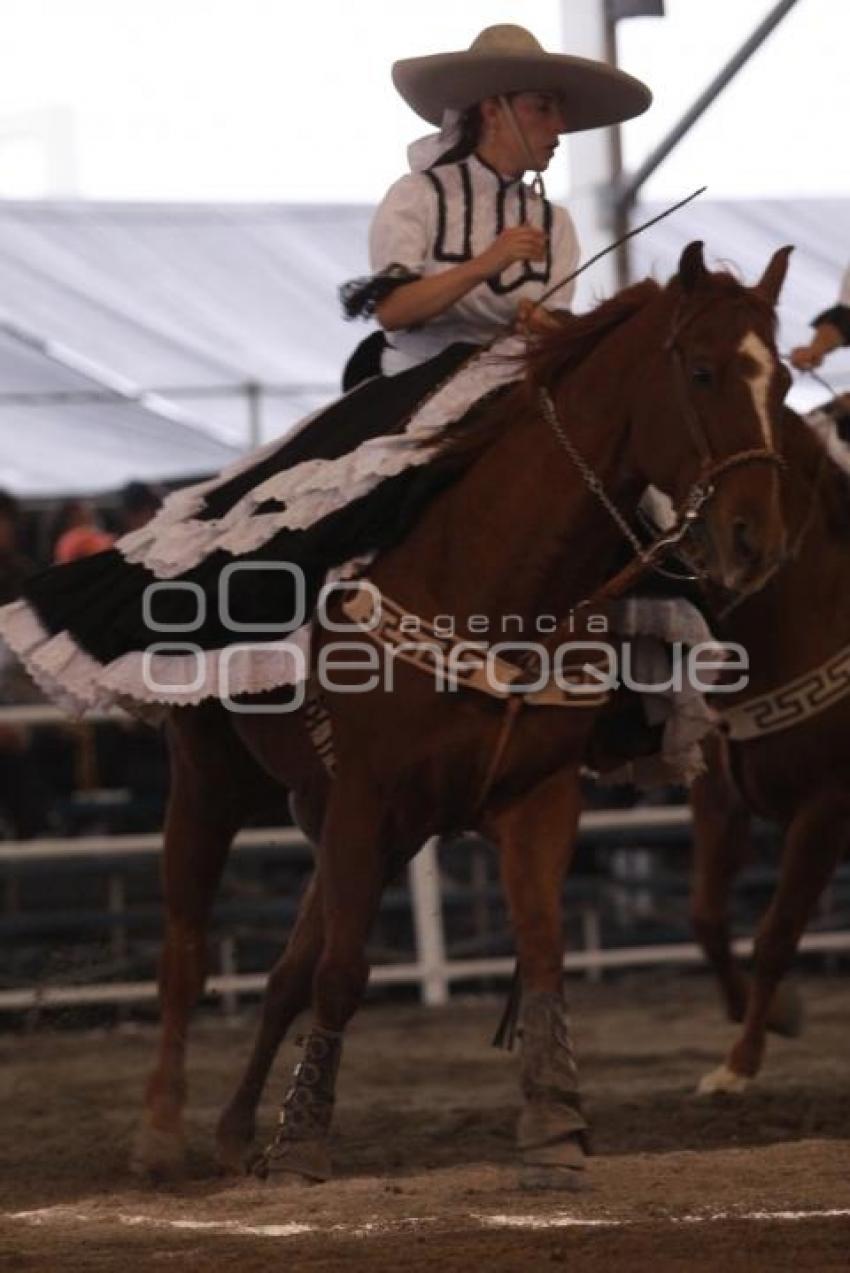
(424, 1148)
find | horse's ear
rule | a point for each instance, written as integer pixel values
(770, 284)
(692, 269)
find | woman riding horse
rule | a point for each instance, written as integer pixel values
(462, 249)
(676, 386)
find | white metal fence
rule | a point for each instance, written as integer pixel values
(432, 969)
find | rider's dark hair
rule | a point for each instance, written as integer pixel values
(471, 127)
(471, 124)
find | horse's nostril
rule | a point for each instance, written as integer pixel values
(744, 542)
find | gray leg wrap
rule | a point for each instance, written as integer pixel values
(300, 1144)
(552, 1130)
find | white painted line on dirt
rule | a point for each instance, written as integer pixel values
(381, 1228)
(292, 1230)
(829, 1214)
(544, 1222)
(63, 1213)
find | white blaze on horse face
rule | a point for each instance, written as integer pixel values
(759, 383)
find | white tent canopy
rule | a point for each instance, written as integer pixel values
(154, 340)
(742, 234)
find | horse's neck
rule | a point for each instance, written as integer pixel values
(492, 544)
(802, 617)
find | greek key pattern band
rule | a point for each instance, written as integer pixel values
(791, 704)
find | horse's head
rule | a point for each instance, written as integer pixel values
(707, 413)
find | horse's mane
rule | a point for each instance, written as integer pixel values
(548, 357)
(829, 484)
(560, 351)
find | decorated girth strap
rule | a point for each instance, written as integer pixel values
(790, 704)
(456, 663)
(453, 664)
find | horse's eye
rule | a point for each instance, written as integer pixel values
(702, 375)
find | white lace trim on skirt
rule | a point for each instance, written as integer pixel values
(168, 674)
(176, 540)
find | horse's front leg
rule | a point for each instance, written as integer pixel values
(536, 838)
(814, 842)
(721, 846)
(288, 993)
(351, 874)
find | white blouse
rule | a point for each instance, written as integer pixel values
(430, 221)
(844, 294)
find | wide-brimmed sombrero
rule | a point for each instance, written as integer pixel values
(508, 59)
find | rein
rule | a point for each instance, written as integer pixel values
(701, 491)
(639, 229)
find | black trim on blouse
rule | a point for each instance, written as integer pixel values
(503, 181)
(441, 252)
(529, 273)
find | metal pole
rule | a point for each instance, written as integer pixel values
(593, 190)
(427, 906)
(620, 216)
(630, 188)
(254, 394)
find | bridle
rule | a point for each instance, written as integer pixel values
(699, 493)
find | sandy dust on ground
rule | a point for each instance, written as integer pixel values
(424, 1148)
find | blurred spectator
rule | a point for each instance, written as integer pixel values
(78, 532)
(832, 329)
(15, 569)
(137, 504)
(21, 794)
(14, 566)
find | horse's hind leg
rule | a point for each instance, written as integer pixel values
(204, 812)
(814, 843)
(536, 838)
(288, 992)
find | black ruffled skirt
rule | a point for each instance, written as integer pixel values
(148, 621)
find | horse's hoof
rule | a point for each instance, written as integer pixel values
(566, 1179)
(235, 1150)
(235, 1156)
(158, 1155)
(723, 1080)
(305, 1160)
(559, 1165)
(787, 1015)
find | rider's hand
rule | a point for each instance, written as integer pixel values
(806, 357)
(534, 320)
(517, 243)
(826, 338)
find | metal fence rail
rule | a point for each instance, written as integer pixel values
(432, 969)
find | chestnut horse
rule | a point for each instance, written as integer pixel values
(679, 386)
(786, 756)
